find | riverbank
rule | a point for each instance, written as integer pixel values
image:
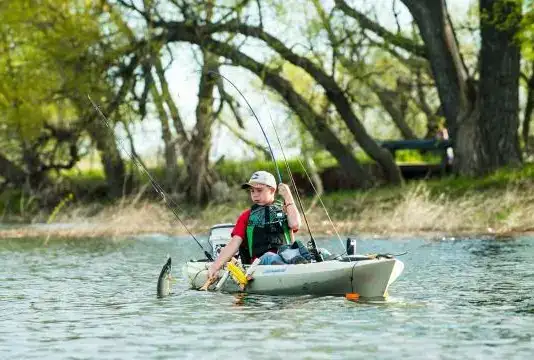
(418, 208)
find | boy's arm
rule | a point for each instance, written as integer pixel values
(293, 214)
(226, 254)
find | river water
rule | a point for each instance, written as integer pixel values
(95, 299)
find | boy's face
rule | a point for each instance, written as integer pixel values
(262, 194)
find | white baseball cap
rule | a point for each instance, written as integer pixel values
(260, 177)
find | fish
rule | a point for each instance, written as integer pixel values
(164, 280)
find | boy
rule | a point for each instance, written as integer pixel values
(261, 230)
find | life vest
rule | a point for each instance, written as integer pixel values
(267, 228)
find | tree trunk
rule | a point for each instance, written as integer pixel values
(499, 85)
(528, 111)
(181, 136)
(200, 181)
(444, 56)
(316, 125)
(171, 171)
(483, 126)
(456, 93)
(337, 97)
(333, 91)
(113, 165)
(467, 144)
(433, 117)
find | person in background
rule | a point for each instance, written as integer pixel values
(443, 134)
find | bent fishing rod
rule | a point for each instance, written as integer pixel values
(314, 245)
(312, 240)
(257, 119)
(166, 198)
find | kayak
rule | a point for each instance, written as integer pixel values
(367, 276)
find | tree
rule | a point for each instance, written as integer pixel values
(53, 57)
(485, 138)
(473, 124)
(498, 90)
(200, 178)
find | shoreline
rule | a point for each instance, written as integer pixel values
(412, 211)
(89, 230)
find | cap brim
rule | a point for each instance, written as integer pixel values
(249, 185)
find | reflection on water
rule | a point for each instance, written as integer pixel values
(96, 298)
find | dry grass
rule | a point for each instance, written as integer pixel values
(417, 211)
(413, 210)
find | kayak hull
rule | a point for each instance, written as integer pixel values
(369, 278)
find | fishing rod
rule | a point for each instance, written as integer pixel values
(314, 245)
(257, 119)
(167, 199)
(312, 240)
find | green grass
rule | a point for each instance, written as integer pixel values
(453, 187)
(501, 203)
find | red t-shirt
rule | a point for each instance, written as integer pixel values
(240, 228)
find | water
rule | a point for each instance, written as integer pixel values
(95, 299)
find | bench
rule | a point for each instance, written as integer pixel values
(434, 145)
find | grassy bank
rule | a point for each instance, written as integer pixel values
(500, 204)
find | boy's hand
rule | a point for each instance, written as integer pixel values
(212, 272)
(285, 192)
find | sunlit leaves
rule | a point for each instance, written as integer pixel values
(52, 54)
(526, 31)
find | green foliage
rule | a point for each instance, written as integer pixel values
(51, 55)
(526, 31)
(41, 48)
(354, 201)
(503, 14)
(237, 172)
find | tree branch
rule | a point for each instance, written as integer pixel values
(395, 103)
(366, 23)
(315, 123)
(265, 153)
(336, 95)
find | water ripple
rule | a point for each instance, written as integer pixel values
(95, 298)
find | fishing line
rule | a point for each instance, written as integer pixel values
(312, 240)
(321, 201)
(167, 199)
